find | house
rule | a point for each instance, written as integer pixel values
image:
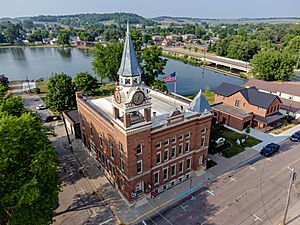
(157, 39)
(173, 38)
(188, 37)
(239, 107)
(166, 42)
(289, 93)
(144, 141)
(72, 123)
(54, 41)
(46, 41)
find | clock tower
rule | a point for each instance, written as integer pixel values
(131, 102)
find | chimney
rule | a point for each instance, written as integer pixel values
(154, 114)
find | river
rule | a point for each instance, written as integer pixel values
(35, 63)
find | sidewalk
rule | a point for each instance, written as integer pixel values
(143, 209)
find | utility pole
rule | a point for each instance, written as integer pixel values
(292, 179)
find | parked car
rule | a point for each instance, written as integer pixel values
(220, 141)
(41, 107)
(51, 118)
(269, 149)
(295, 137)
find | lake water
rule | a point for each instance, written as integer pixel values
(35, 63)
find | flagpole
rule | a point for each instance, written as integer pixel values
(175, 92)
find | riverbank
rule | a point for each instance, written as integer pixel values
(197, 62)
(45, 46)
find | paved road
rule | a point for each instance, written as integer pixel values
(238, 64)
(253, 195)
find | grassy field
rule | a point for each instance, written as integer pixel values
(231, 137)
(209, 95)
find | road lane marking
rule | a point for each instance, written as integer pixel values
(269, 160)
(210, 192)
(81, 191)
(184, 207)
(94, 213)
(256, 218)
(143, 221)
(233, 179)
(193, 198)
(106, 221)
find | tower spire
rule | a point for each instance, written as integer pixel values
(129, 64)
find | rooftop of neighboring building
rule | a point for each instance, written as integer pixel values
(283, 87)
(252, 94)
(73, 115)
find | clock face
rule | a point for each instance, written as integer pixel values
(138, 98)
(118, 98)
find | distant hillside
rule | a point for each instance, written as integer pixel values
(87, 19)
(167, 20)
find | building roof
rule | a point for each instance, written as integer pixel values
(252, 95)
(290, 105)
(226, 89)
(199, 103)
(283, 87)
(258, 98)
(129, 64)
(231, 110)
(73, 115)
(269, 119)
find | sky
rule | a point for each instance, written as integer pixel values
(153, 8)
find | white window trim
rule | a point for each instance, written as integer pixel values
(111, 148)
(203, 132)
(141, 149)
(203, 143)
(181, 144)
(174, 140)
(175, 170)
(180, 139)
(158, 153)
(139, 161)
(159, 145)
(182, 161)
(157, 179)
(189, 148)
(167, 173)
(122, 167)
(188, 134)
(167, 143)
(172, 152)
(188, 168)
(166, 150)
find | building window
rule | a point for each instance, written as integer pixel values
(180, 169)
(180, 137)
(91, 130)
(187, 146)
(139, 149)
(174, 139)
(166, 142)
(158, 158)
(166, 154)
(188, 134)
(277, 107)
(180, 148)
(271, 110)
(156, 178)
(244, 104)
(237, 103)
(112, 153)
(139, 167)
(187, 176)
(173, 152)
(158, 144)
(120, 147)
(202, 141)
(135, 80)
(173, 170)
(127, 81)
(122, 165)
(203, 131)
(268, 110)
(101, 141)
(165, 173)
(188, 163)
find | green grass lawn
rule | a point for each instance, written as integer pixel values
(42, 85)
(209, 95)
(231, 138)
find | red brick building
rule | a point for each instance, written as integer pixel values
(145, 141)
(239, 107)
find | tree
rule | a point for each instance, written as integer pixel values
(160, 85)
(153, 64)
(107, 59)
(29, 183)
(64, 36)
(85, 82)
(12, 106)
(60, 95)
(272, 65)
(248, 130)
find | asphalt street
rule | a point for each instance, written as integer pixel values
(255, 194)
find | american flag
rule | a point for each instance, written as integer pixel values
(170, 78)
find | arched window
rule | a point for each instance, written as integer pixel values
(139, 149)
